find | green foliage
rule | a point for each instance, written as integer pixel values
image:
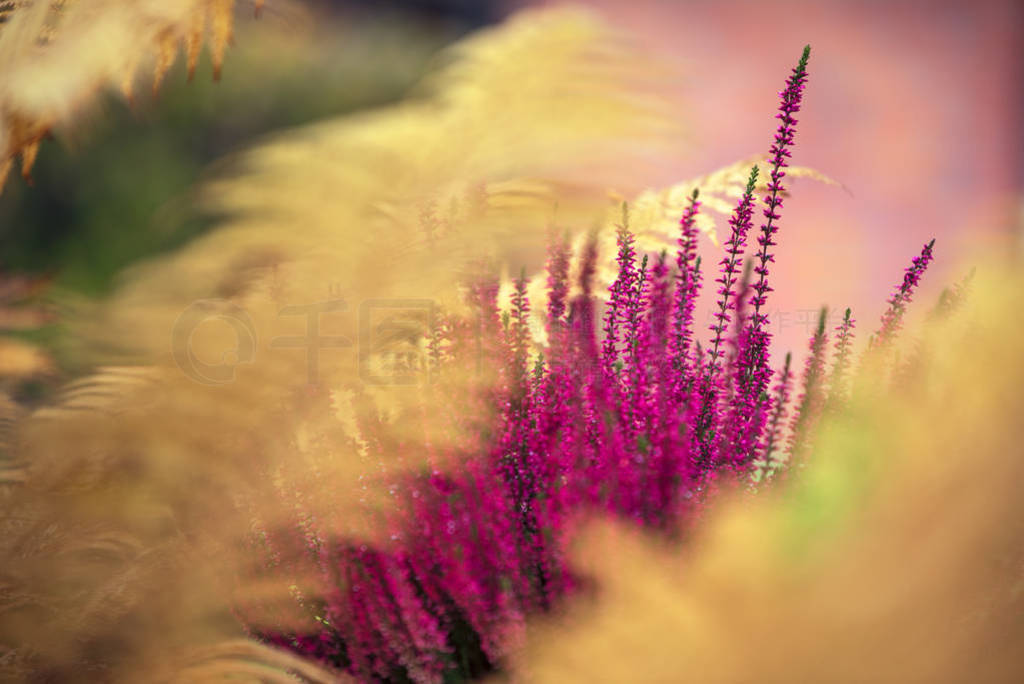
(122, 194)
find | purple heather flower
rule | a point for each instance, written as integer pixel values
(633, 317)
(759, 338)
(746, 416)
(622, 292)
(639, 427)
(740, 222)
(519, 325)
(750, 393)
(708, 427)
(892, 319)
(687, 284)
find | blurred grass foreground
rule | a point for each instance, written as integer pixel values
(221, 400)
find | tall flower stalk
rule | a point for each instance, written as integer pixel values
(688, 279)
(740, 221)
(759, 337)
(892, 319)
(710, 384)
(750, 396)
(622, 292)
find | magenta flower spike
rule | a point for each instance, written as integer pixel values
(892, 319)
(687, 285)
(730, 264)
(622, 292)
(760, 337)
(641, 382)
(637, 334)
(743, 424)
(711, 384)
(519, 327)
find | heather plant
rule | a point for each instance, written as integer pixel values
(415, 536)
(893, 554)
(641, 427)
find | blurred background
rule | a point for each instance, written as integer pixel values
(913, 106)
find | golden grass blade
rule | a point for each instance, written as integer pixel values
(56, 57)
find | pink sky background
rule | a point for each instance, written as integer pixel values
(914, 106)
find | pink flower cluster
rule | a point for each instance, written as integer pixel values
(641, 424)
